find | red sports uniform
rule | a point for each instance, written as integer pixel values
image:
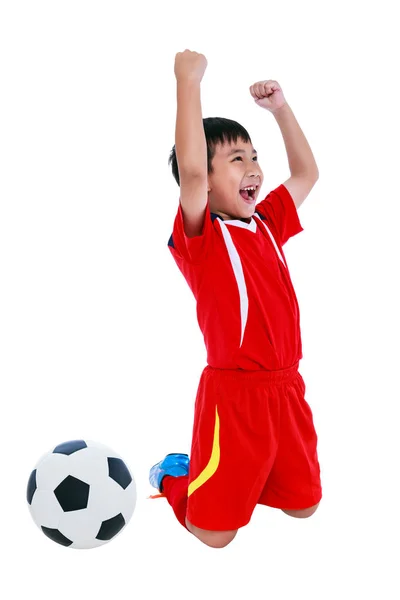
(253, 437)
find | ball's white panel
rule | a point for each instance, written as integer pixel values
(87, 544)
(101, 447)
(45, 455)
(79, 525)
(51, 471)
(128, 501)
(45, 509)
(89, 465)
(106, 499)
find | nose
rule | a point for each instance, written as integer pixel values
(255, 171)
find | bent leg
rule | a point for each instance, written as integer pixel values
(295, 480)
(214, 539)
(225, 461)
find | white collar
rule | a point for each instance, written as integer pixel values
(252, 226)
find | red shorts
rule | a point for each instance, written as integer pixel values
(253, 443)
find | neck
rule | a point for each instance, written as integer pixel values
(226, 217)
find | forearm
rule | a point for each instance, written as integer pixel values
(300, 156)
(190, 139)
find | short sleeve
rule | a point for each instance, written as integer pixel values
(193, 249)
(279, 209)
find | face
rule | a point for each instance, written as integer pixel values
(235, 167)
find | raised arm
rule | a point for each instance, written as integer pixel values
(190, 140)
(303, 168)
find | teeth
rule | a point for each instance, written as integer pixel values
(250, 187)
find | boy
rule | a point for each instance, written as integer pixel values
(253, 440)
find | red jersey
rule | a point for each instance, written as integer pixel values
(247, 308)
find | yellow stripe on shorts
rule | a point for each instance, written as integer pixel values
(212, 463)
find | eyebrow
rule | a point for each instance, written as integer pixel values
(239, 150)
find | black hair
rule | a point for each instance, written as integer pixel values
(217, 131)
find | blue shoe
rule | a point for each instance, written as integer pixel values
(175, 465)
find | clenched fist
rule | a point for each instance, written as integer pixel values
(190, 66)
(268, 94)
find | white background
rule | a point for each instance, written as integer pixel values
(98, 334)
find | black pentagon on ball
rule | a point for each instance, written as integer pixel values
(31, 488)
(70, 447)
(111, 527)
(118, 471)
(72, 494)
(56, 536)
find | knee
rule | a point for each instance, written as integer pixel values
(218, 539)
(213, 539)
(303, 513)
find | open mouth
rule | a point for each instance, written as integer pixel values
(248, 193)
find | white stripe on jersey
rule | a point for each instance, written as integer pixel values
(271, 236)
(239, 276)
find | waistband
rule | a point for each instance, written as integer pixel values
(279, 376)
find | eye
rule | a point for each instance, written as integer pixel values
(240, 158)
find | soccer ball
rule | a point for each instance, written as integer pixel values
(81, 494)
